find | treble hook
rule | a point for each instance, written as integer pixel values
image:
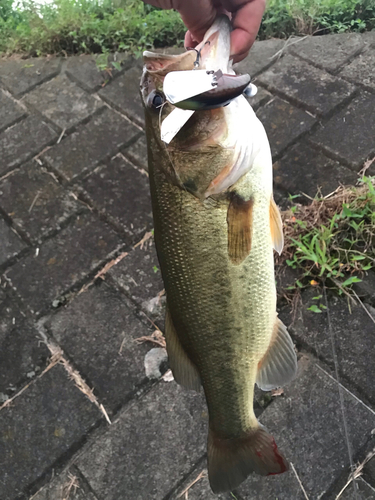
(196, 62)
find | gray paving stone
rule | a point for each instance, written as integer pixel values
(362, 69)
(92, 143)
(10, 112)
(20, 76)
(24, 140)
(85, 70)
(66, 486)
(350, 134)
(283, 123)
(11, 243)
(260, 57)
(35, 201)
(200, 490)
(369, 472)
(139, 275)
(307, 424)
(22, 355)
(63, 102)
(260, 99)
(304, 170)
(366, 288)
(312, 88)
(363, 491)
(123, 94)
(63, 261)
(137, 153)
(98, 331)
(329, 51)
(150, 448)
(353, 334)
(40, 426)
(122, 192)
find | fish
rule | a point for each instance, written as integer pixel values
(216, 227)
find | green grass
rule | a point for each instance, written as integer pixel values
(101, 26)
(332, 240)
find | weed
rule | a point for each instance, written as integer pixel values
(332, 239)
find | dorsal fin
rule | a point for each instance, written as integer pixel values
(240, 221)
(276, 227)
(279, 365)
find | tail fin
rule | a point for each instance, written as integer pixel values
(230, 461)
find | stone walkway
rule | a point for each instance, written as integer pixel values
(80, 420)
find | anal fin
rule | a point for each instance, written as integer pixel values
(279, 365)
(240, 221)
(276, 227)
(184, 371)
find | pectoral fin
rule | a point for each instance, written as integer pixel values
(240, 220)
(279, 365)
(276, 227)
(184, 371)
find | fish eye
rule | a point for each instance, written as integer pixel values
(155, 99)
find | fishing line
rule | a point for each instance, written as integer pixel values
(341, 394)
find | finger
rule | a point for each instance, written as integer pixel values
(198, 16)
(189, 43)
(246, 19)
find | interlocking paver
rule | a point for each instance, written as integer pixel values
(98, 331)
(10, 111)
(312, 88)
(92, 143)
(24, 140)
(363, 491)
(362, 69)
(329, 52)
(86, 69)
(63, 102)
(365, 289)
(353, 335)
(260, 57)
(66, 486)
(350, 134)
(139, 275)
(284, 123)
(11, 243)
(260, 99)
(137, 153)
(41, 425)
(20, 76)
(122, 191)
(304, 170)
(35, 201)
(63, 261)
(150, 448)
(307, 424)
(199, 490)
(123, 94)
(22, 354)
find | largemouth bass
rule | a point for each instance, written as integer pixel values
(216, 226)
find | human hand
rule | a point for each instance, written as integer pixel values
(198, 16)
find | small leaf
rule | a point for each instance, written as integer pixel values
(156, 269)
(317, 297)
(351, 280)
(314, 308)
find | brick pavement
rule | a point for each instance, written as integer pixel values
(80, 420)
